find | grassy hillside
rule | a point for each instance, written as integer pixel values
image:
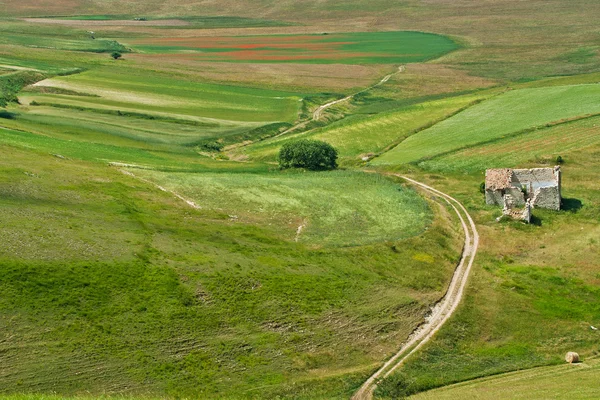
(112, 286)
(121, 88)
(286, 284)
(364, 135)
(535, 294)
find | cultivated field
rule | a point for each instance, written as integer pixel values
(506, 114)
(342, 48)
(365, 135)
(151, 248)
(539, 146)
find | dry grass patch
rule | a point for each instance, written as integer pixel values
(313, 77)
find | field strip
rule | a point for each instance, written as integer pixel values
(443, 309)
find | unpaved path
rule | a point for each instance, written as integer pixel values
(318, 113)
(442, 310)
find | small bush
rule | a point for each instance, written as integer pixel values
(210, 145)
(116, 55)
(313, 155)
(559, 160)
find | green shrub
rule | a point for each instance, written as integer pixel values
(314, 155)
(11, 84)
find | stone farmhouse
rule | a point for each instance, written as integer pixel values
(514, 188)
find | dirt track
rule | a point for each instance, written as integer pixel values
(442, 310)
(319, 111)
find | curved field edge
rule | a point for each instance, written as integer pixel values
(577, 381)
(392, 47)
(324, 208)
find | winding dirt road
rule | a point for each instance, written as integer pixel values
(318, 113)
(443, 309)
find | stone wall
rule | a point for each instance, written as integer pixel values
(547, 197)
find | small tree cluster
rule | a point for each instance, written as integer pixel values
(313, 155)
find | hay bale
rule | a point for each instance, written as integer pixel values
(572, 357)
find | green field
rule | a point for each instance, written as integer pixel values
(123, 288)
(365, 135)
(120, 88)
(151, 248)
(578, 381)
(506, 114)
(346, 48)
(541, 146)
(333, 208)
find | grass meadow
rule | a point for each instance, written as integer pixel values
(113, 288)
(506, 114)
(534, 295)
(325, 209)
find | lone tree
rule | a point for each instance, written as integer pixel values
(314, 155)
(116, 55)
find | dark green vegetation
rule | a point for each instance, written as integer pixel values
(12, 83)
(137, 260)
(314, 155)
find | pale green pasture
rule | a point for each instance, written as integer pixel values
(579, 381)
(120, 130)
(540, 146)
(333, 208)
(358, 136)
(122, 151)
(155, 92)
(505, 114)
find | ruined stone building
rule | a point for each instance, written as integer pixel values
(513, 188)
